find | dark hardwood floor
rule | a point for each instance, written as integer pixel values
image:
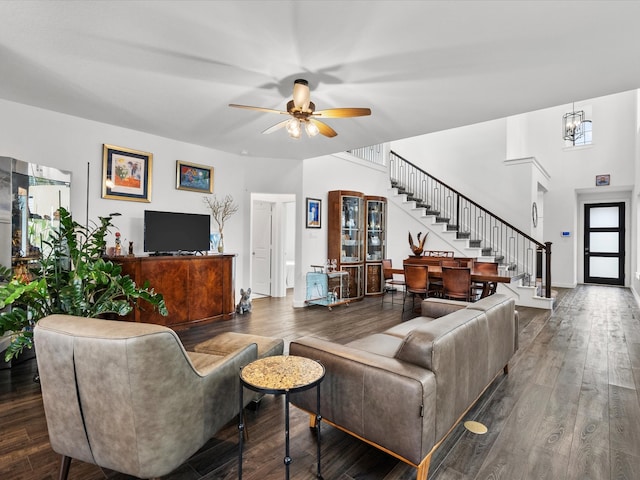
(569, 408)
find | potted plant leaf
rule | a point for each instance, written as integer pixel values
(71, 278)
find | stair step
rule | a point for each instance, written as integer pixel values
(423, 205)
(462, 235)
(432, 212)
(442, 219)
(452, 228)
(487, 251)
(475, 243)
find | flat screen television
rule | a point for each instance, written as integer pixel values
(168, 232)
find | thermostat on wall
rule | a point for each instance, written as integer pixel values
(565, 234)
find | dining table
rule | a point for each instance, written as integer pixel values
(486, 279)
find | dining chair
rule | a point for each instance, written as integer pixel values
(391, 283)
(449, 263)
(456, 283)
(416, 278)
(436, 287)
(480, 289)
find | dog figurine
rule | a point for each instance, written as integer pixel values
(244, 305)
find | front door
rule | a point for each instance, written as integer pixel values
(604, 243)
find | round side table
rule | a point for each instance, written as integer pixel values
(276, 375)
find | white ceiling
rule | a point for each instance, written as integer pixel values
(171, 67)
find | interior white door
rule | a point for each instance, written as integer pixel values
(261, 228)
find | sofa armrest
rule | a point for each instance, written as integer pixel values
(381, 399)
(439, 307)
(219, 385)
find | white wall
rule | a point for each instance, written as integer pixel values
(321, 175)
(70, 143)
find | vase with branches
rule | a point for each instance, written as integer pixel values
(221, 210)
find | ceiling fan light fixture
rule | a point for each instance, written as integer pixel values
(303, 111)
(293, 128)
(311, 128)
(301, 96)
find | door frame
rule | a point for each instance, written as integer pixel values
(279, 224)
(590, 196)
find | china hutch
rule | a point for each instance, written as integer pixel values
(356, 239)
(375, 243)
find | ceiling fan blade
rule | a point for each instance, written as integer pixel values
(323, 128)
(260, 109)
(275, 127)
(343, 112)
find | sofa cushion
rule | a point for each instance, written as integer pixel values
(417, 345)
(402, 329)
(379, 343)
(439, 307)
(487, 303)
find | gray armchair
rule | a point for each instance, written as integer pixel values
(128, 397)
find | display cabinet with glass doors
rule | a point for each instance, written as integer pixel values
(375, 243)
(345, 236)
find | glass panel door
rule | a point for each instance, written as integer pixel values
(604, 243)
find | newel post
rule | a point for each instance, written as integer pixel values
(547, 248)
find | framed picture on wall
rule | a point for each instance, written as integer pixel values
(314, 206)
(194, 177)
(602, 180)
(126, 174)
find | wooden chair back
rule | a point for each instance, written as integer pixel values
(480, 288)
(485, 267)
(416, 279)
(456, 283)
(449, 263)
(387, 265)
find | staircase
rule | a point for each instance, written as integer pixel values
(473, 231)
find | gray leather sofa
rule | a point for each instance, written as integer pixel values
(405, 389)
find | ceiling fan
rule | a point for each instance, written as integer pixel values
(302, 109)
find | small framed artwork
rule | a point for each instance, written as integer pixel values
(313, 212)
(602, 180)
(126, 174)
(193, 177)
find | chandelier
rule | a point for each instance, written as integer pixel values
(572, 125)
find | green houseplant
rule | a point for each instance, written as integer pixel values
(72, 278)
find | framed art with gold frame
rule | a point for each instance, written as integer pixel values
(126, 174)
(194, 177)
